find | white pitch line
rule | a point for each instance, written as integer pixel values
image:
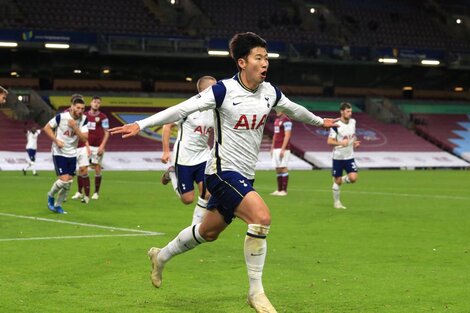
(391, 194)
(82, 224)
(76, 237)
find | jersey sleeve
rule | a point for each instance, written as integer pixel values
(287, 125)
(54, 122)
(200, 102)
(297, 112)
(105, 123)
(84, 125)
(333, 133)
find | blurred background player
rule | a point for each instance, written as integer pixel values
(280, 152)
(92, 151)
(241, 104)
(65, 130)
(3, 95)
(31, 147)
(190, 153)
(343, 139)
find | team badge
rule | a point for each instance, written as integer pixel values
(97, 119)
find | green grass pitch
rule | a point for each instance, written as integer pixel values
(401, 246)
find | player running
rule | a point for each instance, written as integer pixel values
(343, 139)
(190, 153)
(31, 148)
(241, 105)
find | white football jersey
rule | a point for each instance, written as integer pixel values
(32, 139)
(240, 116)
(64, 133)
(191, 147)
(343, 131)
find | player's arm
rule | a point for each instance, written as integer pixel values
(202, 102)
(287, 136)
(49, 131)
(332, 141)
(301, 114)
(82, 133)
(166, 132)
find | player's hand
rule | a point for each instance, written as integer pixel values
(100, 151)
(165, 157)
(88, 151)
(127, 130)
(356, 144)
(59, 143)
(72, 123)
(345, 142)
(330, 122)
(281, 154)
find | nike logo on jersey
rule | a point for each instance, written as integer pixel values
(237, 103)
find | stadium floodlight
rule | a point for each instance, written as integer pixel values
(218, 52)
(388, 60)
(273, 55)
(458, 89)
(57, 45)
(408, 88)
(7, 44)
(77, 71)
(430, 62)
(312, 10)
(458, 21)
(14, 73)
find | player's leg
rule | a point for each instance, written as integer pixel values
(351, 170)
(97, 161)
(201, 206)
(185, 181)
(86, 184)
(69, 173)
(254, 211)
(33, 162)
(284, 171)
(276, 161)
(189, 238)
(82, 163)
(337, 172)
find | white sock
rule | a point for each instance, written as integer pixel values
(199, 211)
(174, 183)
(186, 240)
(63, 192)
(58, 184)
(255, 255)
(335, 192)
(345, 179)
(30, 163)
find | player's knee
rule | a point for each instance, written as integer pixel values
(264, 218)
(187, 198)
(352, 179)
(210, 235)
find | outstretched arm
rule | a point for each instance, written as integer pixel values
(301, 114)
(170, 115)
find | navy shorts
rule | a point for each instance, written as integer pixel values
(31, 154)
(339, 165)
(227, 191)
(64, 165)
(187, 175)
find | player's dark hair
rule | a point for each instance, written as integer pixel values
(75, 96)
(344, 106)
(241, 44)
(78, 100)
(96, 98)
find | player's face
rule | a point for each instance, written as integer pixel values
(254, 67)
(95, 104)
(3, 98)
(77, 110)
(346, 114)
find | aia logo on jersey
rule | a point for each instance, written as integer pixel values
(250, 122)
(69, 133)
(203, 130)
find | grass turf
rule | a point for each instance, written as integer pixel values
(401, 246)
